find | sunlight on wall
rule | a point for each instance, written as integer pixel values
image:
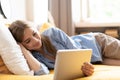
(6, 8)
(40, 11)
(14, 9)
(18, 9)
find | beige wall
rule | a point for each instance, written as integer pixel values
(29, 10)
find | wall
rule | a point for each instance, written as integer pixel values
(32, 10)
(37, 10)
(14, 9)
(29, 10)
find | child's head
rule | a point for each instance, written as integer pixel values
(24, 33)
(17, 29)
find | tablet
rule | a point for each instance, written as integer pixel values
(69, 62)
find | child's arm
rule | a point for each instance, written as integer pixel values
(33, 63)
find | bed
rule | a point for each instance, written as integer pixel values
(102, 72)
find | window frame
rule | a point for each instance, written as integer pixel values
(88, 22)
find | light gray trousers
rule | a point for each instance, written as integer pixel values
(110, 46)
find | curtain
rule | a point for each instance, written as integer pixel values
(61, 11)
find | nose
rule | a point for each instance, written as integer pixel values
(34, 39)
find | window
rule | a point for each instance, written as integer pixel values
(96, 11)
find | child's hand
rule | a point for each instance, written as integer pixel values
(24, 50)
(87, 69)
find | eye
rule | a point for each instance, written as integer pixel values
(34, 34)
(28, 41)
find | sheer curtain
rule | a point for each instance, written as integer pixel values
(61, 11)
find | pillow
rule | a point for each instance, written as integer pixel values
(11, 53)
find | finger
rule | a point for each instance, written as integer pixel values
(87, 69)
(88, 65)
(87, 72)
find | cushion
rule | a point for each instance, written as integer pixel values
(44, 27)
(3, 68)
(11, 53)
(6, 22)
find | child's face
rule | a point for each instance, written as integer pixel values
(32, 39)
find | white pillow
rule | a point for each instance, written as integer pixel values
(11, 53)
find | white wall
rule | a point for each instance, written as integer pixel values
(14, 9)
(40, 11)
(37, 10)
(32, 10)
